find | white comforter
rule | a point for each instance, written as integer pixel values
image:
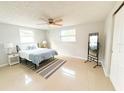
(37, 55)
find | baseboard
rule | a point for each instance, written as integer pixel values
(104, 70)
(113, 83)
(3, 65)
(75, 57)
(79, 58)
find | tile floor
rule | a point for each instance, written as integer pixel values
(74, 75)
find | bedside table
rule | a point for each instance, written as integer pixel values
(13, 58)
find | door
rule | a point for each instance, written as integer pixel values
(117, 62)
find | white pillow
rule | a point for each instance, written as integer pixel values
(28, 46)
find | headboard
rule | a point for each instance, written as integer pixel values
(26, 46)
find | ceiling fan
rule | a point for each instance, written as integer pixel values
(52, 21)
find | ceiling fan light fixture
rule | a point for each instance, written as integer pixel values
(53, 22)
(51, 25)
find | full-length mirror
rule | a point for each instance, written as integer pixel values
(93, 48)
(93, 43)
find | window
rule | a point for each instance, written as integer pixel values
(68, 35)
(26, 36)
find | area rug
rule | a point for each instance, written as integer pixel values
(47, 67)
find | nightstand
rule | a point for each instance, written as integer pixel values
(13, 58)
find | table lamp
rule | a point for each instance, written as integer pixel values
(44, 43)
(10, 47)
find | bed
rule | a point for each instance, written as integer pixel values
(36, 55)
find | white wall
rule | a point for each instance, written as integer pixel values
(78, 48)
(10, 34)
(108, 39)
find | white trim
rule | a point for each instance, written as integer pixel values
(113, 83)
(3, 65)
(74, 57)
(104, 70)
(79, 58)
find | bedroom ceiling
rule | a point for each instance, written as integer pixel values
(29, 13)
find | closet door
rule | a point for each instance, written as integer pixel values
(117, 62)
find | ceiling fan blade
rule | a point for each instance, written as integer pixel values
(58, 20)
(44, 19)
(57, 24)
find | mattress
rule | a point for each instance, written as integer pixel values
(37, 55)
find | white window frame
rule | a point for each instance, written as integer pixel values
(73, 35)
(30, 35)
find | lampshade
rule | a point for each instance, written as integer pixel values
(10, 45)
(44, 42)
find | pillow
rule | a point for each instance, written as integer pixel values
(23, 47)
(28, 46)
(33, 46)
